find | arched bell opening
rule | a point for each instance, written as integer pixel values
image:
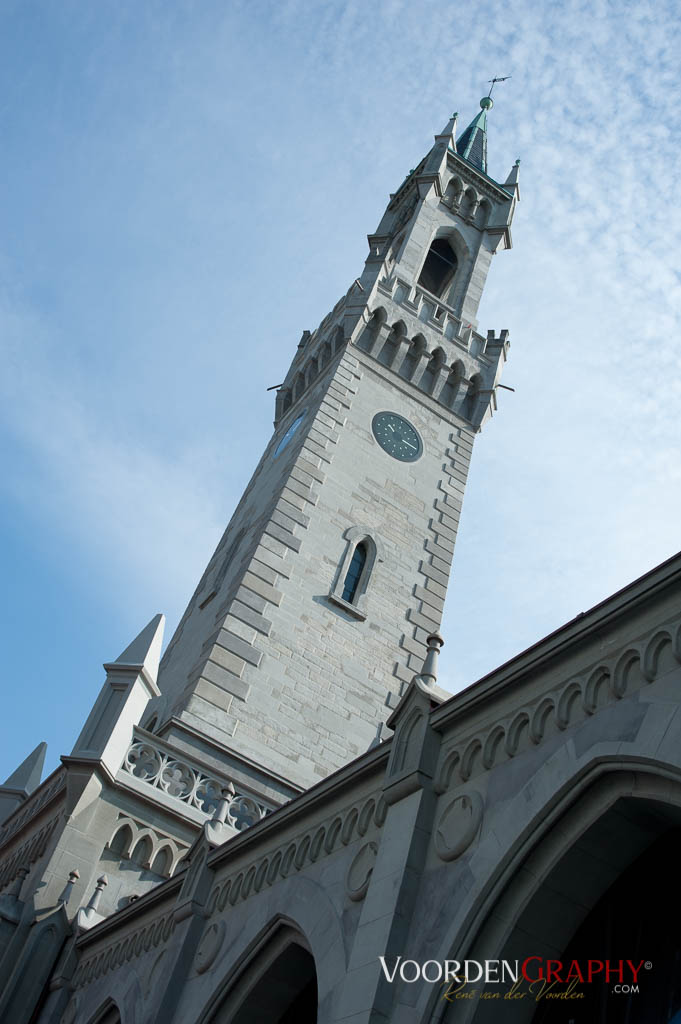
(605, 898)
(278, 985)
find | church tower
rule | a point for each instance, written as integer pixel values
(313, 612)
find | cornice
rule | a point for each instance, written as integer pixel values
(370, 763)
(479, 177)
(560, 642)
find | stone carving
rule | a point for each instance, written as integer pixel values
(126, 949)
(209, 947)
(129, 832)
(155, 973)
(159, 768)
(596, 688)
(359, 873)
(27, 853)
(292, 857)
(458, 825)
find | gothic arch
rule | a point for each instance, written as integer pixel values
(390, 347)
(357, 537)
(410, 363)
(122, 841)
(453, 192)
(108, 1013)
(432, 370)
(483, 214)
(468, 202)
(282, 402)
(298, 386)
(337, 339)
(267, 931)
(450, 391)
(438, 268)
(274, 980)
(472, 394)
(455, 288)
(618, 807)
(142, 853)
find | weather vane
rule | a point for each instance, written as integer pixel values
(495, 80)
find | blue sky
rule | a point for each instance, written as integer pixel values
(187, 186)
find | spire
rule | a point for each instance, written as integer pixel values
(130, 683)
(29, 773)
(472, 143)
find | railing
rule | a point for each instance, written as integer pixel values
(160, 768)
(433, 311)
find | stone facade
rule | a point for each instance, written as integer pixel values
(248, 824)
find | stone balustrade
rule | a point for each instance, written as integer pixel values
(159, 767)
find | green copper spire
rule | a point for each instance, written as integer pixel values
(472, 143)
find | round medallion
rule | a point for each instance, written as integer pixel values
(209, 947)
(289, 434)
(458, 825)
(359, 873)
(397, 436)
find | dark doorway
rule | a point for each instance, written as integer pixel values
(636, 919)
(285, 994)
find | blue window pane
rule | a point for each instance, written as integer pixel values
(354, 572)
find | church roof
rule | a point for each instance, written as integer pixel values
(472, 143)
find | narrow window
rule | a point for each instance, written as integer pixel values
(353, 578)
(439, 267)
(354, 573)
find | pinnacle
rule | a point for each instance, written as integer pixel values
(145, 649)
(27, 776)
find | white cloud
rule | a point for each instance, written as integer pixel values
(211, 180)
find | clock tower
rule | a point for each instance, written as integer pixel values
(313, 612)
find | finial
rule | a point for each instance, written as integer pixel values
(493, 82)
(517, 163)
(429, 671)
(68, 888)
(97, 894)
(486, 102)
(220, 815)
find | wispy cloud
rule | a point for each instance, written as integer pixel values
(193, 187)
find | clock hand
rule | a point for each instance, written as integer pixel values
(409, 444)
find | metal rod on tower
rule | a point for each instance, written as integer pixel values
(493, 82)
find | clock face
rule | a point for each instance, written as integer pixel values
(396, 436)
(289, 434)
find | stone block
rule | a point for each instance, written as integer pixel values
(228, 681)
(234, 644)
(260, 588)
(213, 694)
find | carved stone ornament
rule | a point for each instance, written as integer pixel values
(458, 825)
(359, 872)
(209, 947)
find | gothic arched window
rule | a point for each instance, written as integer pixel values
(353, 575)
(439, 267)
